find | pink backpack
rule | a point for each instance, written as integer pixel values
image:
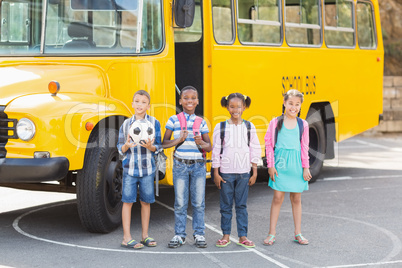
(196, 128)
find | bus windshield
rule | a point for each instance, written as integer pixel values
(80, 27)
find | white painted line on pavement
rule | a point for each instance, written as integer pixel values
(379, 146)
(364, 264)
(362, 178)
(210, 227)
(18, 229)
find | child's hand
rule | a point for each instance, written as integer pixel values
(198, 139)
(148, 144)
(252, 180)
(217, 180)
(306, 174)
(272, 172)
(130, 143)
(183, 135)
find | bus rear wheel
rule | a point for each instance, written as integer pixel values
(317, 142)
(99, 183)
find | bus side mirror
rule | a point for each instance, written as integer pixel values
(184, 12)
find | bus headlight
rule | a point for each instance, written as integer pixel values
(25, 129)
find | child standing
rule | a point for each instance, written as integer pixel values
(287, 143)
(189, 173)
(138, 171)
(236, 145)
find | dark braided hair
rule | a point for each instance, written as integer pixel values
(246, 99)
(290, 93)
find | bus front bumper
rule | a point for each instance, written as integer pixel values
(29, 170)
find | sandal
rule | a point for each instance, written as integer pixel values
(132, 244)
(147, 242)
(302, 240)
(247, 244)
(271, 241)
(222, 243)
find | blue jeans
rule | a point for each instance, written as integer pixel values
(236, 187)
(189, 179)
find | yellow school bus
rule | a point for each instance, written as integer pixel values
(69, 69)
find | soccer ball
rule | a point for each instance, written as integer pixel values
(141, 130)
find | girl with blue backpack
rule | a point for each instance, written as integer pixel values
(287, 144)
(236, 148)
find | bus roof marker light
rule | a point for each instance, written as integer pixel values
(54, 87)
(89, 126)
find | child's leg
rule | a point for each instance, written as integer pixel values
(241, 194)
(275, 209)
(145, 215)
(126, 219)
(226, 204)
(181, 192)
(147, 196)
(295, 199)
(197, 189)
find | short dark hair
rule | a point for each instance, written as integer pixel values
(187, 88)
(142, 93)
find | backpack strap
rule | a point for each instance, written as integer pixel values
(276, 129)
(301, 127)
(183, 126)
(223, 127)
(248, 125)
(299, 124)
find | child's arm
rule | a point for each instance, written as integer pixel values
(253, 178)
(167, 142)
(204, 142)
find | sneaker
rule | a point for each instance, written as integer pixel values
(177, 241)
(200, 241)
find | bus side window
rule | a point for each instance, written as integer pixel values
(339, 27)
(222, 12)
(259, 22)
(365, 26)
(303, 23)
(15, 24)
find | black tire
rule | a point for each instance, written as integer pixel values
(317, 142)
(99, 183)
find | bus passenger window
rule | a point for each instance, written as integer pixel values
(192, 33)
(339, 26)
(222, 12)
(303, 23)
(365, 26)
(14, 27)
(259, 22)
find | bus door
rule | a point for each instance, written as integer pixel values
(189, 58)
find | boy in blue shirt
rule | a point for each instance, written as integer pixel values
(189, 173)
(138, 171)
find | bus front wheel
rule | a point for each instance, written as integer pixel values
(317, 142)
(99, 183)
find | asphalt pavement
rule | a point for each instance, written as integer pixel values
(351, 216)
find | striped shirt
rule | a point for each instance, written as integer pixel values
(188, 150)
(139, 161)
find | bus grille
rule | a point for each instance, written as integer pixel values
(7, 131)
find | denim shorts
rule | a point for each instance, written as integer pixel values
(131, 184)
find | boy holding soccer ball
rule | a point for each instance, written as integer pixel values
(138, 167)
